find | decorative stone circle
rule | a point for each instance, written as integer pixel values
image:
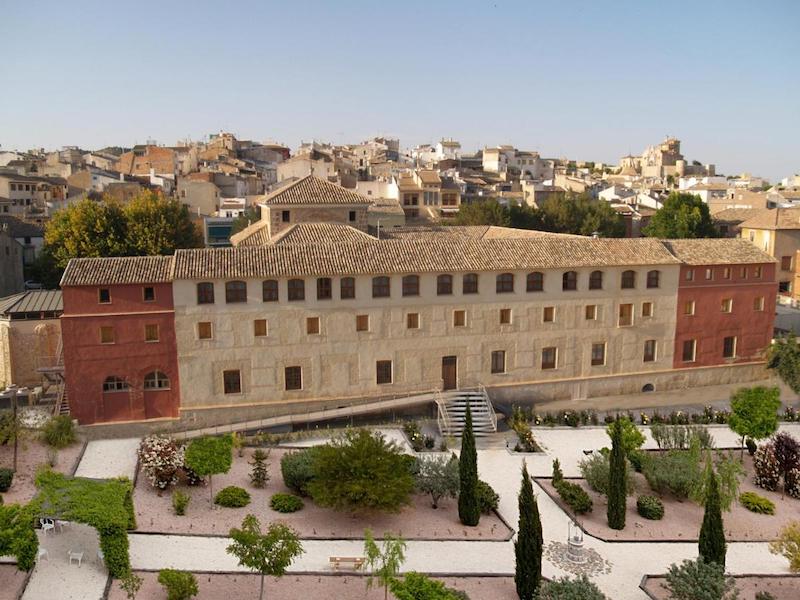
(593, 564)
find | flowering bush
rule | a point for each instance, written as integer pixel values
(415, 437)
(792, 483)
(766, 467)
(161, 458)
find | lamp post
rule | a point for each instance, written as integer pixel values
(11, 390)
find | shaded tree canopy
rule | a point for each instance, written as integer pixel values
(250, 215)
(682, 216)
(783, 357)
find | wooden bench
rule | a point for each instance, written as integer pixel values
(353, 562)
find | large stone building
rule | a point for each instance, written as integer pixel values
(325, 314)
(776, 232)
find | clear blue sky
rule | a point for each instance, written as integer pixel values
(588, 80)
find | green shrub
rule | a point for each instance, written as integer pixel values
(679, 437)
(574, 496)
(570, 589)
(259, 474)
(596, 470)
(180, 501)
(700, 580)
(675, 472)
(6, 477)
(488, 499)
(285, 503)
(232, 497)
(297, 470)
(757, 504)
(558, 474)
(59, 431)
(179, 585)
(416, 586)
(650, 507)
(414, 435)
(637, 459)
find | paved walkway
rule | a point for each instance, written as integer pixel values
(104, 459)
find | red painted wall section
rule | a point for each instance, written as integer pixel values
(709, 325)
(88, 362)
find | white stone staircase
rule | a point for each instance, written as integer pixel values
(452, 410)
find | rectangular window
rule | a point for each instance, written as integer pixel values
(647, 309)
(381, 287)
(412, 321)
(104, 296)
(743, 273)
(549, 314)
(269, 290)
(590, 312)
(549, 358)
(232, 382)
(324, 288)
(383, 371)
(726, 273)
(205, 293)
(204, 330)
(362, 322)
(709, 274)
(758, 303)
(469, 284)
(285, 216)
(757, 272)
(729, 347)
(260, 327)
(351, 216)
(312, 325)
(688, 308)
(689, 347)
(297, 289)
(649, 351)
(499, 361)
(347, 288)
(786, 263)
(689, 274)
(151, 333)
(625, 315)
(727, 305)
(106, 335)
(148, 293)
(505, 316)
(459, 318)
(293, 378)
(598, 354)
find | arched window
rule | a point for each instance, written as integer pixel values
(469, 283)
(504, 283)
(205, 293)
(115, 384)
(535, 282)
(648, 387)
(444, 285)
(297, 289)
(653, 279)
(269, 290)
(596, 280)
(381, 287)
(156, 381)
(235, 291)
(628, 280)
(411, 285)
(569, 281)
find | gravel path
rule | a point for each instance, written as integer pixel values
(105, 459)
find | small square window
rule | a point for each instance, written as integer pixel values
(351, 216)
(598, 354)
(459, 318)
(104, 296)
(232, 382)
(383, 371)
(549, 358)
(362, 322)
(688, 308)
(647, 309)
(151, 333)
(726, 305)
(149, 293)
(204, 330)
(285, 216)
(758, 303)
(312, 325)
(293, 378)
(412, 321)
(549, 314)
(786, 263)
(625, 315)
(499, 361)
(590, 312)
(505, 316)
(106, 335)
(260, 327)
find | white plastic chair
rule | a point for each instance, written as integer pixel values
(76, 556)
(47, 525)
(100, 556)
(61, 524)
(43, 554)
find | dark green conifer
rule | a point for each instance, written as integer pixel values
(617, 480)
(529, 543)
(469, 511)
(712, 534)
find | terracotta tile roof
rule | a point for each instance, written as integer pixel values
(717, 251)
(427, 176)
(320, 233)
(118, 270)
(255, 234)
(32, 301)
(774, 218)
(736, 215)
(475, 232)
(313, 190)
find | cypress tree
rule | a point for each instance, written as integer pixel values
(528, 545)
(712, 534)
(469, 511)
(617, 480)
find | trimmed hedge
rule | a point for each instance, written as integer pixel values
(488, 500)
(285, 503)
(574, 496)
(650, 507)
(757, 504)
(6, 477)
(232, 497)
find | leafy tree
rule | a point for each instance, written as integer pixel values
(438, 477)
(179, 585)
(632, 438)
(384, 563)
(565, 588)
(209, 456)
(157, 225)
(754, 412)
(485, 212)
(529, 543)
(617, 480)
(712, 535)
(788, 544)
(682, 216)
(787, 455)
(416, 586)
(268, 553)
(783, 357)
(580, 214)
(361, 471)
(250, 215)
(700, 580)
(17, 535)
(469, 511)
(729, 472)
